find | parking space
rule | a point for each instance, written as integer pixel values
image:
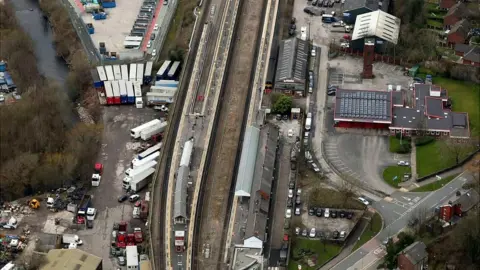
(116, 27)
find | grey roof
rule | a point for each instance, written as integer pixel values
(416, 252)
(292, 62)
(473, 55)
(246, 168)
(406, 117)
(397, 97)
(462, 27)
(370, 4)
(459, 120)
(363, 105)
(462, 47)
(180, 197)
(377, 24)
(262, 183)
(468, 199)
(434, 107)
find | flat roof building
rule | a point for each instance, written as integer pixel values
(363, 106)
(61, 259)
(290, 77)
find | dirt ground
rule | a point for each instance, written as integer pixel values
(228, 132)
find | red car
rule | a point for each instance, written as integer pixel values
(99, 168)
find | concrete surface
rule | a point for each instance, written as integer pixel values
(116, 27)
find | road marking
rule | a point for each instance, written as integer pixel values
(397, 213)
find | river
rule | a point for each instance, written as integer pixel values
(30, 17)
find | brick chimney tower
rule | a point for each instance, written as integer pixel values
(368, 56)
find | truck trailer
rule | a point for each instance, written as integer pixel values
(136, 163)
(130, 92)
(147, 77)
(137, 182)
(132, 172)
(147, 133)
(132, 257)
(135, 132)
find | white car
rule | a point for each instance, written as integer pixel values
(308, 156)
(290, 193)
(313, 233)
(299, 192)
(403, 163)
(288, 213)
(315, 167)
(149, 44)
(344, 45)
(307, 134)
(314, 53)
(154, 52)
(326, 213)
(363, 200)
(290, 133)
(297, 231)
(155, 28)
(2, 98)
(342, 234)
(297, 211)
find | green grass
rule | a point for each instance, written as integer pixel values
(395, 146)
(434, 23)
(435, 185)
(322, 252)
(466, 98)
(390, 172)
(371, 230)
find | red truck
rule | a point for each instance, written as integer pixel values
(138, 235)
(144, 210)
(122, 239)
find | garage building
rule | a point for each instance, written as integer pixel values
(290, 77)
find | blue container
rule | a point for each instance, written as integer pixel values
(8, 79)
(124, 99)
(109, 4)
(131, 99)
(3, 66)
(91, 30)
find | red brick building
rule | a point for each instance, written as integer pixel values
(413, 257)
(447, 4)
(470, 54)
(458, 34)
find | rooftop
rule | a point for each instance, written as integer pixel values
(249, 255)
(461, 27)
(248, 157)
(363, 106)
(370, 4)
(473, 55)
(292, 63)
(180, 197)
(377, 24)
(416, 252)
(68, 259)
(397, 98)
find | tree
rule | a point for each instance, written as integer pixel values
(283, 104)
(457, 149)
(348, 191)
(417, 218)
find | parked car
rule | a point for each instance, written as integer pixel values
(285, 117)
(290, 193)
(363, 200)
(286, 224)
(342, 234)
(291, 184)
(308, 11)
(315, 167)
(89, 224)
(350, 215)
(319, 212)
(314, 52)
(121, 261)
(298, 200)
(297, 231)
(293, 166)
(288, 213)
(333, 213)
(155, 28)
(154, 52)
(341, 214)
(289, 202)
(326, 213)
(336, 234)
(304, 232)
(134, 198)
(297, 211)
(123, 198)
(311, 211)
(299, 192)
(2, 98)
(313, 233)
(403, 163)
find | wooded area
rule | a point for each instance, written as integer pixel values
(41, 147)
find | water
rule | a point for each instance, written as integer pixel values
(30, 17)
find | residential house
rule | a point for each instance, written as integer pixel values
(455, 14)
(413, 257)
(458, 34)
(458, 205)
(470, 54)
(447, 4)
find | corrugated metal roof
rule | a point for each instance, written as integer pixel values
(180, 196)
(377, 24)
(292, 60)
(248, 158)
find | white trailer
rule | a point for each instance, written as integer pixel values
(132, 172)
(117, 73)
(159, 98)
(130, 93)
(150, 151)
(101, 73)
(133, 72)
(132, 257)
(135, 132)
(137, 182)
(147, 133)
(136, 163)
(163, 89)
(108, 91)
(109, 71)
(125, 72)
(140, 68)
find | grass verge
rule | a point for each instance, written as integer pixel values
(435, 185)
(391, 172)
(371, 230)
(466, 98)
(400, 147)
(317, 251)
(434, 23)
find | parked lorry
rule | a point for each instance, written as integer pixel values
(147, 133)
(135, 132)
(71, 239)
(308, 122)
(136, 163)
(82, 208)
(138, 235)
(139, 181)
(132, 172)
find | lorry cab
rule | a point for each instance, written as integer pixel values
(138, 102)
(91, 213)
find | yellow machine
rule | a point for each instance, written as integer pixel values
(34, 203)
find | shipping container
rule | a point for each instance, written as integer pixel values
(90, 28)
(117, 73)
(167, 83)
(174, 71)
(162, 72)
(124, 72)
(97, 83)
(109, 71)
(140, 72)
(132, 38)
(147, 77)
(109, 92)
(109, 4)
(99, 16)
(130, 92)
(132, 44)
(101, 73)
(116, 92)
(158, 98)
(135, 132)
(123, 92)
(133, 72)
(137, 88)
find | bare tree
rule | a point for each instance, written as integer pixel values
(348, 191)
(418, 217)
(457, 149)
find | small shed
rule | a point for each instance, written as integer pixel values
(295, 113)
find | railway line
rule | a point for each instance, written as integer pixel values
(217, 186)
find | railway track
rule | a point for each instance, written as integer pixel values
(217, 186)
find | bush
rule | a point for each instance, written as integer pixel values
(419, 141)
(400, 146)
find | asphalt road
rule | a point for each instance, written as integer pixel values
(396, 215)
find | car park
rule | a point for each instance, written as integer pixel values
(297, 231)
(134, 198)
(319, 212)
(297, 211)
(290, 193)
(335, 234)
(304, 232)
(363, 200)
(313, 233)
(288, 213)
(326, 213)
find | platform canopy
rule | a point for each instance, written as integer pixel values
(377, 24)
